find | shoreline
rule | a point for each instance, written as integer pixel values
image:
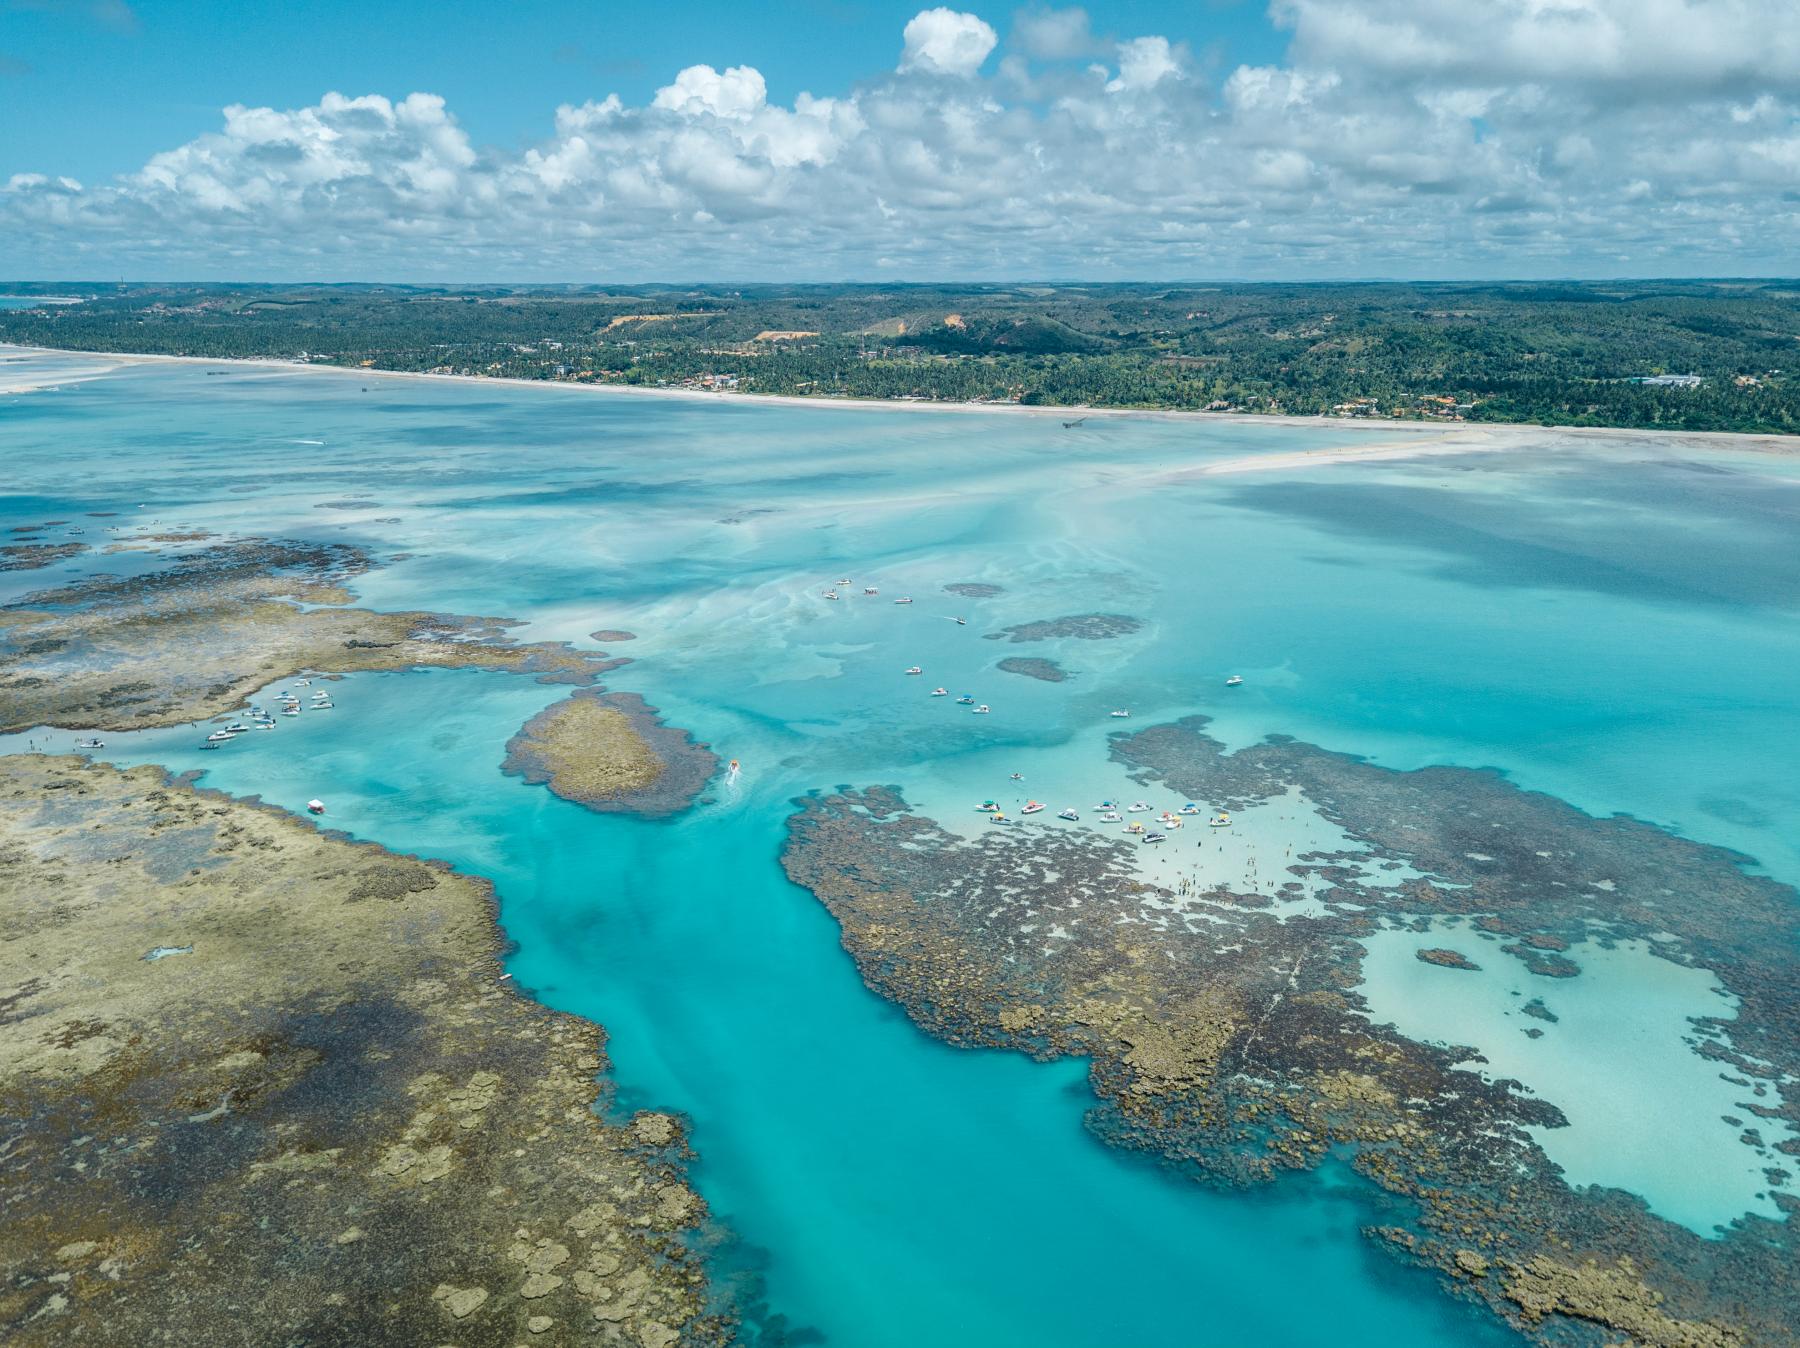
(1752, 441)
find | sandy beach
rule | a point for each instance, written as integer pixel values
(1432, 437)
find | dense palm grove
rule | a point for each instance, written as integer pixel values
(1565, 353)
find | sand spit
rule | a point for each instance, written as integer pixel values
(611, 753)
(263, 1084)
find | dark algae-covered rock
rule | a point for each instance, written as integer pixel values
(262, 1085)
(1231, 1041)
(1081, 626)
(1446, 959)
(1033, 668)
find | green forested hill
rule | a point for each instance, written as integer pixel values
(1568, 353)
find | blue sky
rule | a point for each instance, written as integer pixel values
(831, 139)
(108, 85)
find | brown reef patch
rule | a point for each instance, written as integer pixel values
(193, 638)
(319, 1117)
(1231, 1042)
(611, 753)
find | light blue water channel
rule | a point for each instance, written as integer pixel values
(1615, 623)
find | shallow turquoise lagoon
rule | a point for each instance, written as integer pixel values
(1612, 621)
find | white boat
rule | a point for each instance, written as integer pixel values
(998, 819)
(1219, 820)
(89, 744)
(845, 583)
(1106, 805)
(870, 589)
(237, 727)
(1171, 824)
(265, 725)
(940, 692)
(1155, 837)
(1234, 680)
(831, 594)
(915, 670)
(903, 601)
(1121, 713)
(1138, 807)
(321, 706)
(1189, 808)
(302, 683)
(315, 807)
(290, 711)
(966, 700)
(219, 737)
(982, 710)
(1134, 827)
(1032, 807)
(1111, 817)
(1070, 815)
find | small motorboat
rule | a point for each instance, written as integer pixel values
(1111, 817)
(982, 710)
(321, 706)
(870, 589)
(962, 622)
(265, 725)
(290, 711)
(315, 806)
(1032, 807)
(1120, 714)
(998, 818)
(988, 807)
(89, 744)
(1134, 827)
(1189, 808)
(1219, 820)
(1018, 776)
(1165, 817)
(1138, 807)
(845, 583)
(1234, 680)
(904, 600)
(1070, 815)
(940, 692)
(966, 700)
(734, 765)
(1171, 824)
(1155, 837)
(831, 594)
(1107, 805)
(220, 736)
(237, 728)
(302, 683)
(915, 670)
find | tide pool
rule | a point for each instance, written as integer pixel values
(1600, 619)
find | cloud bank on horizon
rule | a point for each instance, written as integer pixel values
(1398, 137)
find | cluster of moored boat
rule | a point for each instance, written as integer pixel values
(261, 719)
(1108, 812)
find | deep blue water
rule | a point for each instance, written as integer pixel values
(1609, 621)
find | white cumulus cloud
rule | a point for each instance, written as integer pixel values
(946, 42)
(1411, 137)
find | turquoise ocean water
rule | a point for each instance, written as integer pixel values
(1609, 621)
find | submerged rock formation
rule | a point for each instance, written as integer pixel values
(263, 1085)
(1229, 1039)
(611, 753)
(1080, 626)
(1032, 667)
